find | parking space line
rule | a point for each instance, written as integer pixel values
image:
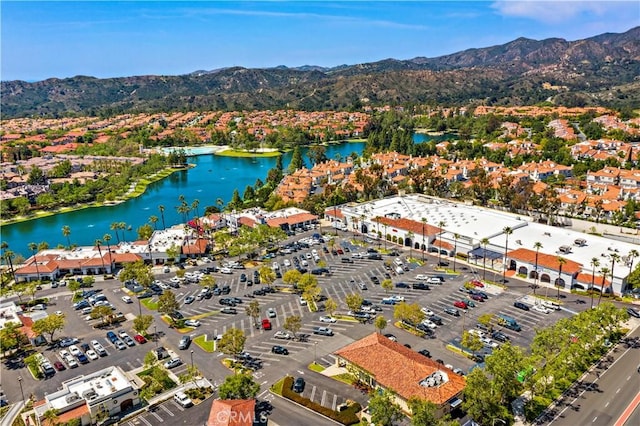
(176, 405)
(313, 392)
(335, 399)
(167, 410)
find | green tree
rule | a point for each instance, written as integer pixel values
(330, 306)
(480, 400)
(145, 231)
(291, 277)
(66, 232)
(232, 342)
(296, 160)
(424, 413)
(253, 311)
(238, 386)
(102, 312)
(139, 272)
(292, 323)
(191, 375)
(380, 323)
(354, 301)
(267, 275)
(167, 304)
(408, 312)
(471, 341)
(11, 337)
(387, 285)
(150, 359)
(384, 411)
(50, 417)
(142, 323)
(49, 325)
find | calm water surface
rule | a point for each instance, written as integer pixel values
(213, 177)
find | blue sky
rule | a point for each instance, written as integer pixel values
(40, 40)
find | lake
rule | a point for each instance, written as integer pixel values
(212, 177)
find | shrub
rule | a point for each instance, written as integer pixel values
(346, 417)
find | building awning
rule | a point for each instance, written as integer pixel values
(481, 252)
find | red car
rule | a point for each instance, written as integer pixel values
(266, 324)
(140, 339)
(59, 366)
(460, 304)
(477, 283)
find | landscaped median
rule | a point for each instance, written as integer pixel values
(204, 344)
(347, 414)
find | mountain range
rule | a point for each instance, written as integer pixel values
(603, 70)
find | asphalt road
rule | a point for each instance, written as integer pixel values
(605, 392)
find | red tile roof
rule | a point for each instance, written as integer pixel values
(401, 369)
(408, 225)
(548, 261)
(232, 412)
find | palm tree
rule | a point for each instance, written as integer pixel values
(604, 271)
(51, 417)
(194, 206)
(537, 245)
(631, 257)
(615, 257)
(507, 231)
(594, 264)
(455, 249)
(114, 228)
(34, 247)
(98, 243)
(441, 225)
(106, 238)
(8, 256)
(485, 243)
(66, 231)
(561, 261)
(122, 226)
(424, 246)
(161, 208)
(154, 220)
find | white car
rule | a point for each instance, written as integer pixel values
(427, 311)
(172, 363)
(127, 299)
(182, 399)
(226, 271)
(175, 279)
(91, 354)
(429, 324)
(542, 309)
(122, 334)
(550, 305)
(286, 262)
(488, 342)
(75, 351)
(64, 354)
(398, 298)
(275, 266)
(325, 318)
(192, 323)
(422, 277)
(434, 280)
(302, 301)
(476, 332)
(283, 335)
(71, 362)
(97, 346)
(314, 252)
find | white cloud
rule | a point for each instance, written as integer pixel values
(559, 11)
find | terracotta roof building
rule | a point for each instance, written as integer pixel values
(382, 363)
(232, 412)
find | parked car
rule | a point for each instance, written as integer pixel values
(184, 343)
(280, 350)
(324, 331)
(120, 345)
(402, 285)
(189, 300)
(521, 305)
(228, 310)
(298, 385)
(271, 313)
(173, 363)
(127, 299)
(67, 341)
(98, 348)
(420, 286)
(633, 312)
(452, 311)
(391, 337)
(59, 366)
(140, 338)
(92, 355)
(266, 324)
(283, 335)
(425, 352)
(182, 399)
(325, 318)
(460, 304)
(192, 323)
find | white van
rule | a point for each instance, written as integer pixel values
(398, 261)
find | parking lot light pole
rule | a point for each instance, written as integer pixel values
(315, 355)
(155, 334)
(192, 359)
(21, 390)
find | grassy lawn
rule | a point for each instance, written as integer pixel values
(205, 345)
(150, 304)
(234, 153)
(277, 387)
(206, 314)
(316, 367)
(344, 378)
(345, 318)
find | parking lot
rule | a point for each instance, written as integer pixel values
(345, 278)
